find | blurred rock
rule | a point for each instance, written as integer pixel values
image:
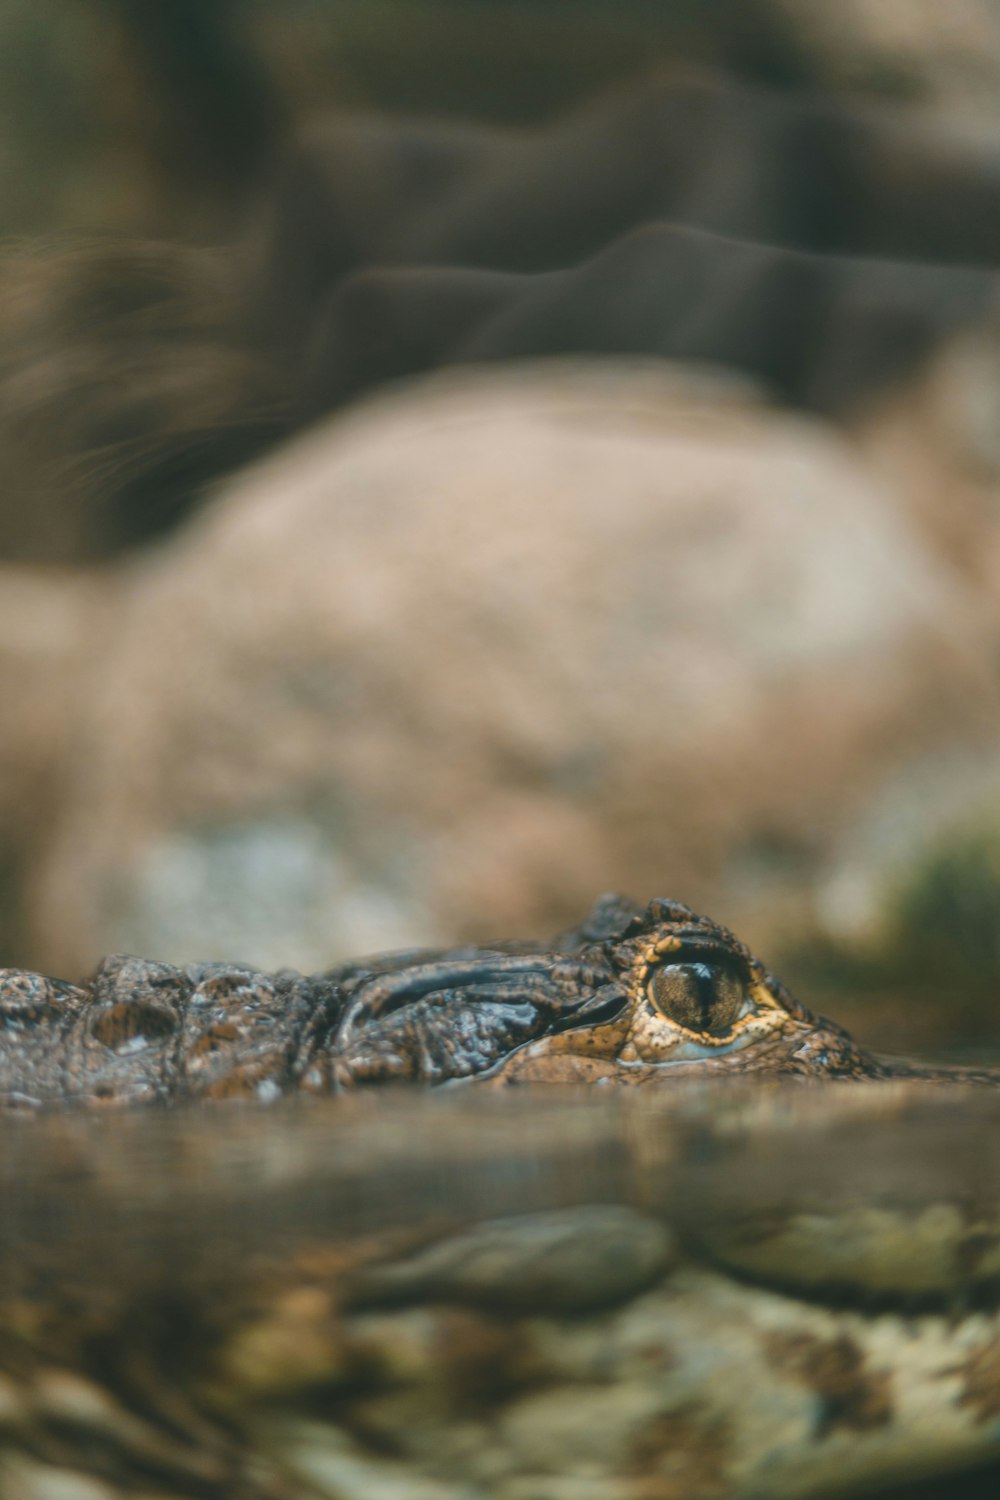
(827, 247)
(456, 57)
(949, 55)
(51, 625)
(477, 650)
(936, 441)
(149, 119)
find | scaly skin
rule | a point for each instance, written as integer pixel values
(630, 997)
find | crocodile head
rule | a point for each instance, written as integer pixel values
(633, 996)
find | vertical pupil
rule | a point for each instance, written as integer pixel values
(704, 991)
(699, 996)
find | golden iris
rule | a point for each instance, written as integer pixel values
(699, 996)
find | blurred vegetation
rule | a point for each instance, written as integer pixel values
(934, 974)
(944, 931)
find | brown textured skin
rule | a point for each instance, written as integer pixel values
(581, 1011)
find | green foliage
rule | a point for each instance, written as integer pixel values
(945, 927)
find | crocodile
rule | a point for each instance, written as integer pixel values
(729, 1288)
(632, 996)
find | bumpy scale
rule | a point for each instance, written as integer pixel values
(630, 997)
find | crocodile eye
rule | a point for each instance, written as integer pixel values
(699, 996)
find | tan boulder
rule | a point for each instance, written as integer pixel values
(946, 54)
(52, 622)
(457, 661)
